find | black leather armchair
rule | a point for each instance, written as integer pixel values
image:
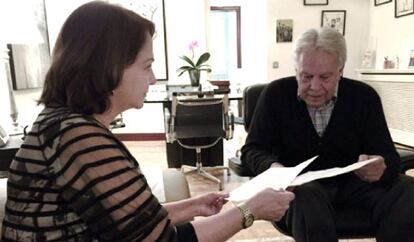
(349, 223)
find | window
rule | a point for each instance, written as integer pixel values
(225, 41)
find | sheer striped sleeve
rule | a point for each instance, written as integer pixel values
(103, 184)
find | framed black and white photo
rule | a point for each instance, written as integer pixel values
(380, 2)
(404, 7)
(284, 30)
(315, 2)
(411, 62)
(334, 19)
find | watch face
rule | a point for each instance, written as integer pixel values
(249, 221)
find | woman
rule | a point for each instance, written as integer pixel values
(72, 180)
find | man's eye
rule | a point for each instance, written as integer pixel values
(325, 78)
(307, 78)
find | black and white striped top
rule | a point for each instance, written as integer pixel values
(72, 180)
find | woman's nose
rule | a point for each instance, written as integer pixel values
(152, 79)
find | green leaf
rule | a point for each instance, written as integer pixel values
(203, 58)
(188, 60)
(184, 69)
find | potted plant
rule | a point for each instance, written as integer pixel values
(194, 67)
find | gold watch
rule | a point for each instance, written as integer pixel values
(248, 217)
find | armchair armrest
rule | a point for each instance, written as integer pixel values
(229, 124)
(407, 159)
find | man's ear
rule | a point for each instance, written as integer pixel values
(341, 71)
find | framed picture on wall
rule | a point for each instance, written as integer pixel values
(380, 2)
(411, 62)
(334, 19)
(58, 11)
(315, 2)
(29, 52)
(403, 7)
(284, 30)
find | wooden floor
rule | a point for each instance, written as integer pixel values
(153, 154)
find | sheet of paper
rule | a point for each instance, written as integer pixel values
(314, 175)
(275, 177)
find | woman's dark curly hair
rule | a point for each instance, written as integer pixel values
(96, 43)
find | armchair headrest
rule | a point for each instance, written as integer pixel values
(251, 95)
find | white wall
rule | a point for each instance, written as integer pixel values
(185, 21)
(305, 17)
(393, 36)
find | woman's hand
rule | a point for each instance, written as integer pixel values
(210, 203)
(270, 204)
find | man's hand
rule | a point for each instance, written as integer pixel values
(276, 164)
(371, 172)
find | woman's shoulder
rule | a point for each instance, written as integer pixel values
(54, 123)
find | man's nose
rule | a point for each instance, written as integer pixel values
(315, 83)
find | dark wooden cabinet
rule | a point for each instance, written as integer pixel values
(8, 152)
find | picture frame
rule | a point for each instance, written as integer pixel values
(380, 2)
(154, 10)
(404, 8)
(30, 59)
(315, 2)
(411, 61)
(334, 19)
(284, 30)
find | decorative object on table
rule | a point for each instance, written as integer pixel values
(284, 30)
(368, 60)
(315, 2)
(403, 8)
(4, 137)
(411, 62)
(388, 64)
(334, 19)
(380, 2)
(369, 57)
(221, 84)
(194, 68)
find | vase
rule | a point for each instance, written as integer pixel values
(194, 77)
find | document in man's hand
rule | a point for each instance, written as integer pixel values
(283, 177)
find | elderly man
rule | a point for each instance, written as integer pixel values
(319, 112)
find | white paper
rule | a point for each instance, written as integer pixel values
(283, 177)
(274, 177)
(314, 175)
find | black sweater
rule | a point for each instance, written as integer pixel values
(282, 131)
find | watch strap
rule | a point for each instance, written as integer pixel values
(247, 215)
